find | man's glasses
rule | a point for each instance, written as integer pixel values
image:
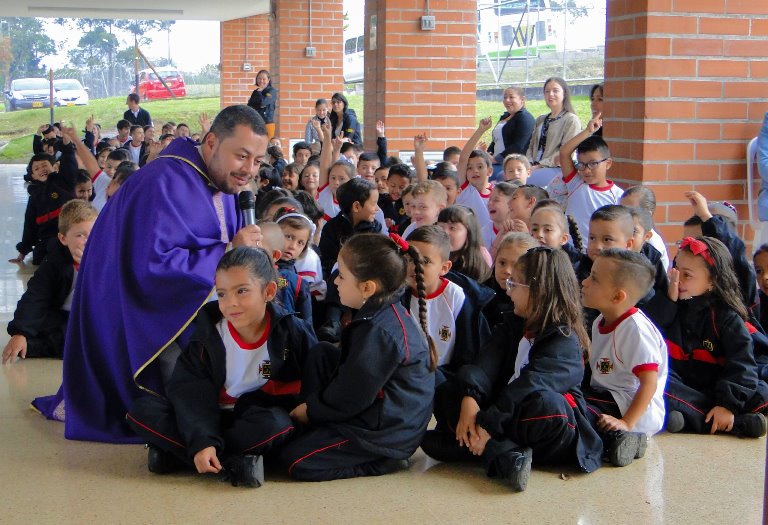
(592, 164)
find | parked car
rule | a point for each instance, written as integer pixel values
(69, 92)
(26, 93)
(150, 86)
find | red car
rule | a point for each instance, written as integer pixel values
(150, 86)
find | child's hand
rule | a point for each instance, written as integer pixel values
(673, 291)
(419, 141)
(300, 414)
(477, 446)
(595, 124)
(485, 124)
(326, 127)
(482, 146)
(466, 427)
(207, 462)
(89, 124)
(17, 346)
(18, 260)
(205, 122)
(699, 203)
(68, 134)
(606, 423)
(380, 128)
(317, 126)
(722, 419)
(519, 225)
(337, 143)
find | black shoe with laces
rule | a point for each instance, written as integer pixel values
(514, 467)
(749, 425)
(162, 462)
(243, 471)
(330, 331)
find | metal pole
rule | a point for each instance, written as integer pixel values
(50, 101)
(136, 64)
(565, 38)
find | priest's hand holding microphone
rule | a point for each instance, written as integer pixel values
(249, 234)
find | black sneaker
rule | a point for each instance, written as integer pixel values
(749, 425)
(243, 471)
(443, 446)
(162, 462)
(515, 467)
(330, 331)
(623, 447)
(675, 421)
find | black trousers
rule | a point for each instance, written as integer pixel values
(544, 421)
(254, 430)
(322, 453)
(695, 404)
(599, 402)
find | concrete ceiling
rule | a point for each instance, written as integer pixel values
(136, 9)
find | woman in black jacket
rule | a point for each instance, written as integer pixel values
(264, 99)
(344, 120)
(513, 132)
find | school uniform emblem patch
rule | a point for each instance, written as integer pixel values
(445, 333)
(708, 346)
(604, 366)
(265, 369)
(282, 282)
(54, 195)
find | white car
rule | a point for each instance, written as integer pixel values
(70, 92)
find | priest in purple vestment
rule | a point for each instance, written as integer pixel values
(148, 268)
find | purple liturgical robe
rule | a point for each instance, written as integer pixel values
(148, 267)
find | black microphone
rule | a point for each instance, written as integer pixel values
(247, 203)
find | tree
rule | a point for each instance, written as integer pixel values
(29, 45)
(92, 48)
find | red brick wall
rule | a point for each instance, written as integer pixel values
(686, 89)
(236, 84)
(421, 81)
(301, 80)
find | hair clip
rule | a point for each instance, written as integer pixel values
(293, 213)
(401, 243)
(697, 247)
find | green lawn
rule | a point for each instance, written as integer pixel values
(19, 126)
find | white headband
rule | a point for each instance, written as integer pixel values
(299, 216)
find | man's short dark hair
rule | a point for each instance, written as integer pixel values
(134, 97)
(239, 115)
(123, 124)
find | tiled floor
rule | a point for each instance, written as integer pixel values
(47, 479)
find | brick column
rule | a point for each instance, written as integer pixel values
(243, 40)
(420, 81)
(686, 89)
(301, 80)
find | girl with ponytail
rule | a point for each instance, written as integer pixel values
(368, 402)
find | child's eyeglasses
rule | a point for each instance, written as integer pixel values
(511, 285)
(592, 164)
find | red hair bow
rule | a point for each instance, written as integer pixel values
(697, 247)
(401, 243)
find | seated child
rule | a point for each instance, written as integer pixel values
(428, 198)
(123, 171)
(40, 320)
(314, 212)
(292, 291)
(452, 154)
(474, 171)
(53, 184)
(446, 174)
(367, 164)
(380, 177)
(553, 228)
(391, 203)
(468, 255)
(521, 206)
(454, 303)
(234, 384)
(290, 176)
(587, 187)
(520, 400)
(368, 403)
(83, 186)
(499, 211)
(298, 231)
(517, 169)
(642, 196)
(357, 200)
(511, 246)
(309, 179)
(713, 383)
(628, 358)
